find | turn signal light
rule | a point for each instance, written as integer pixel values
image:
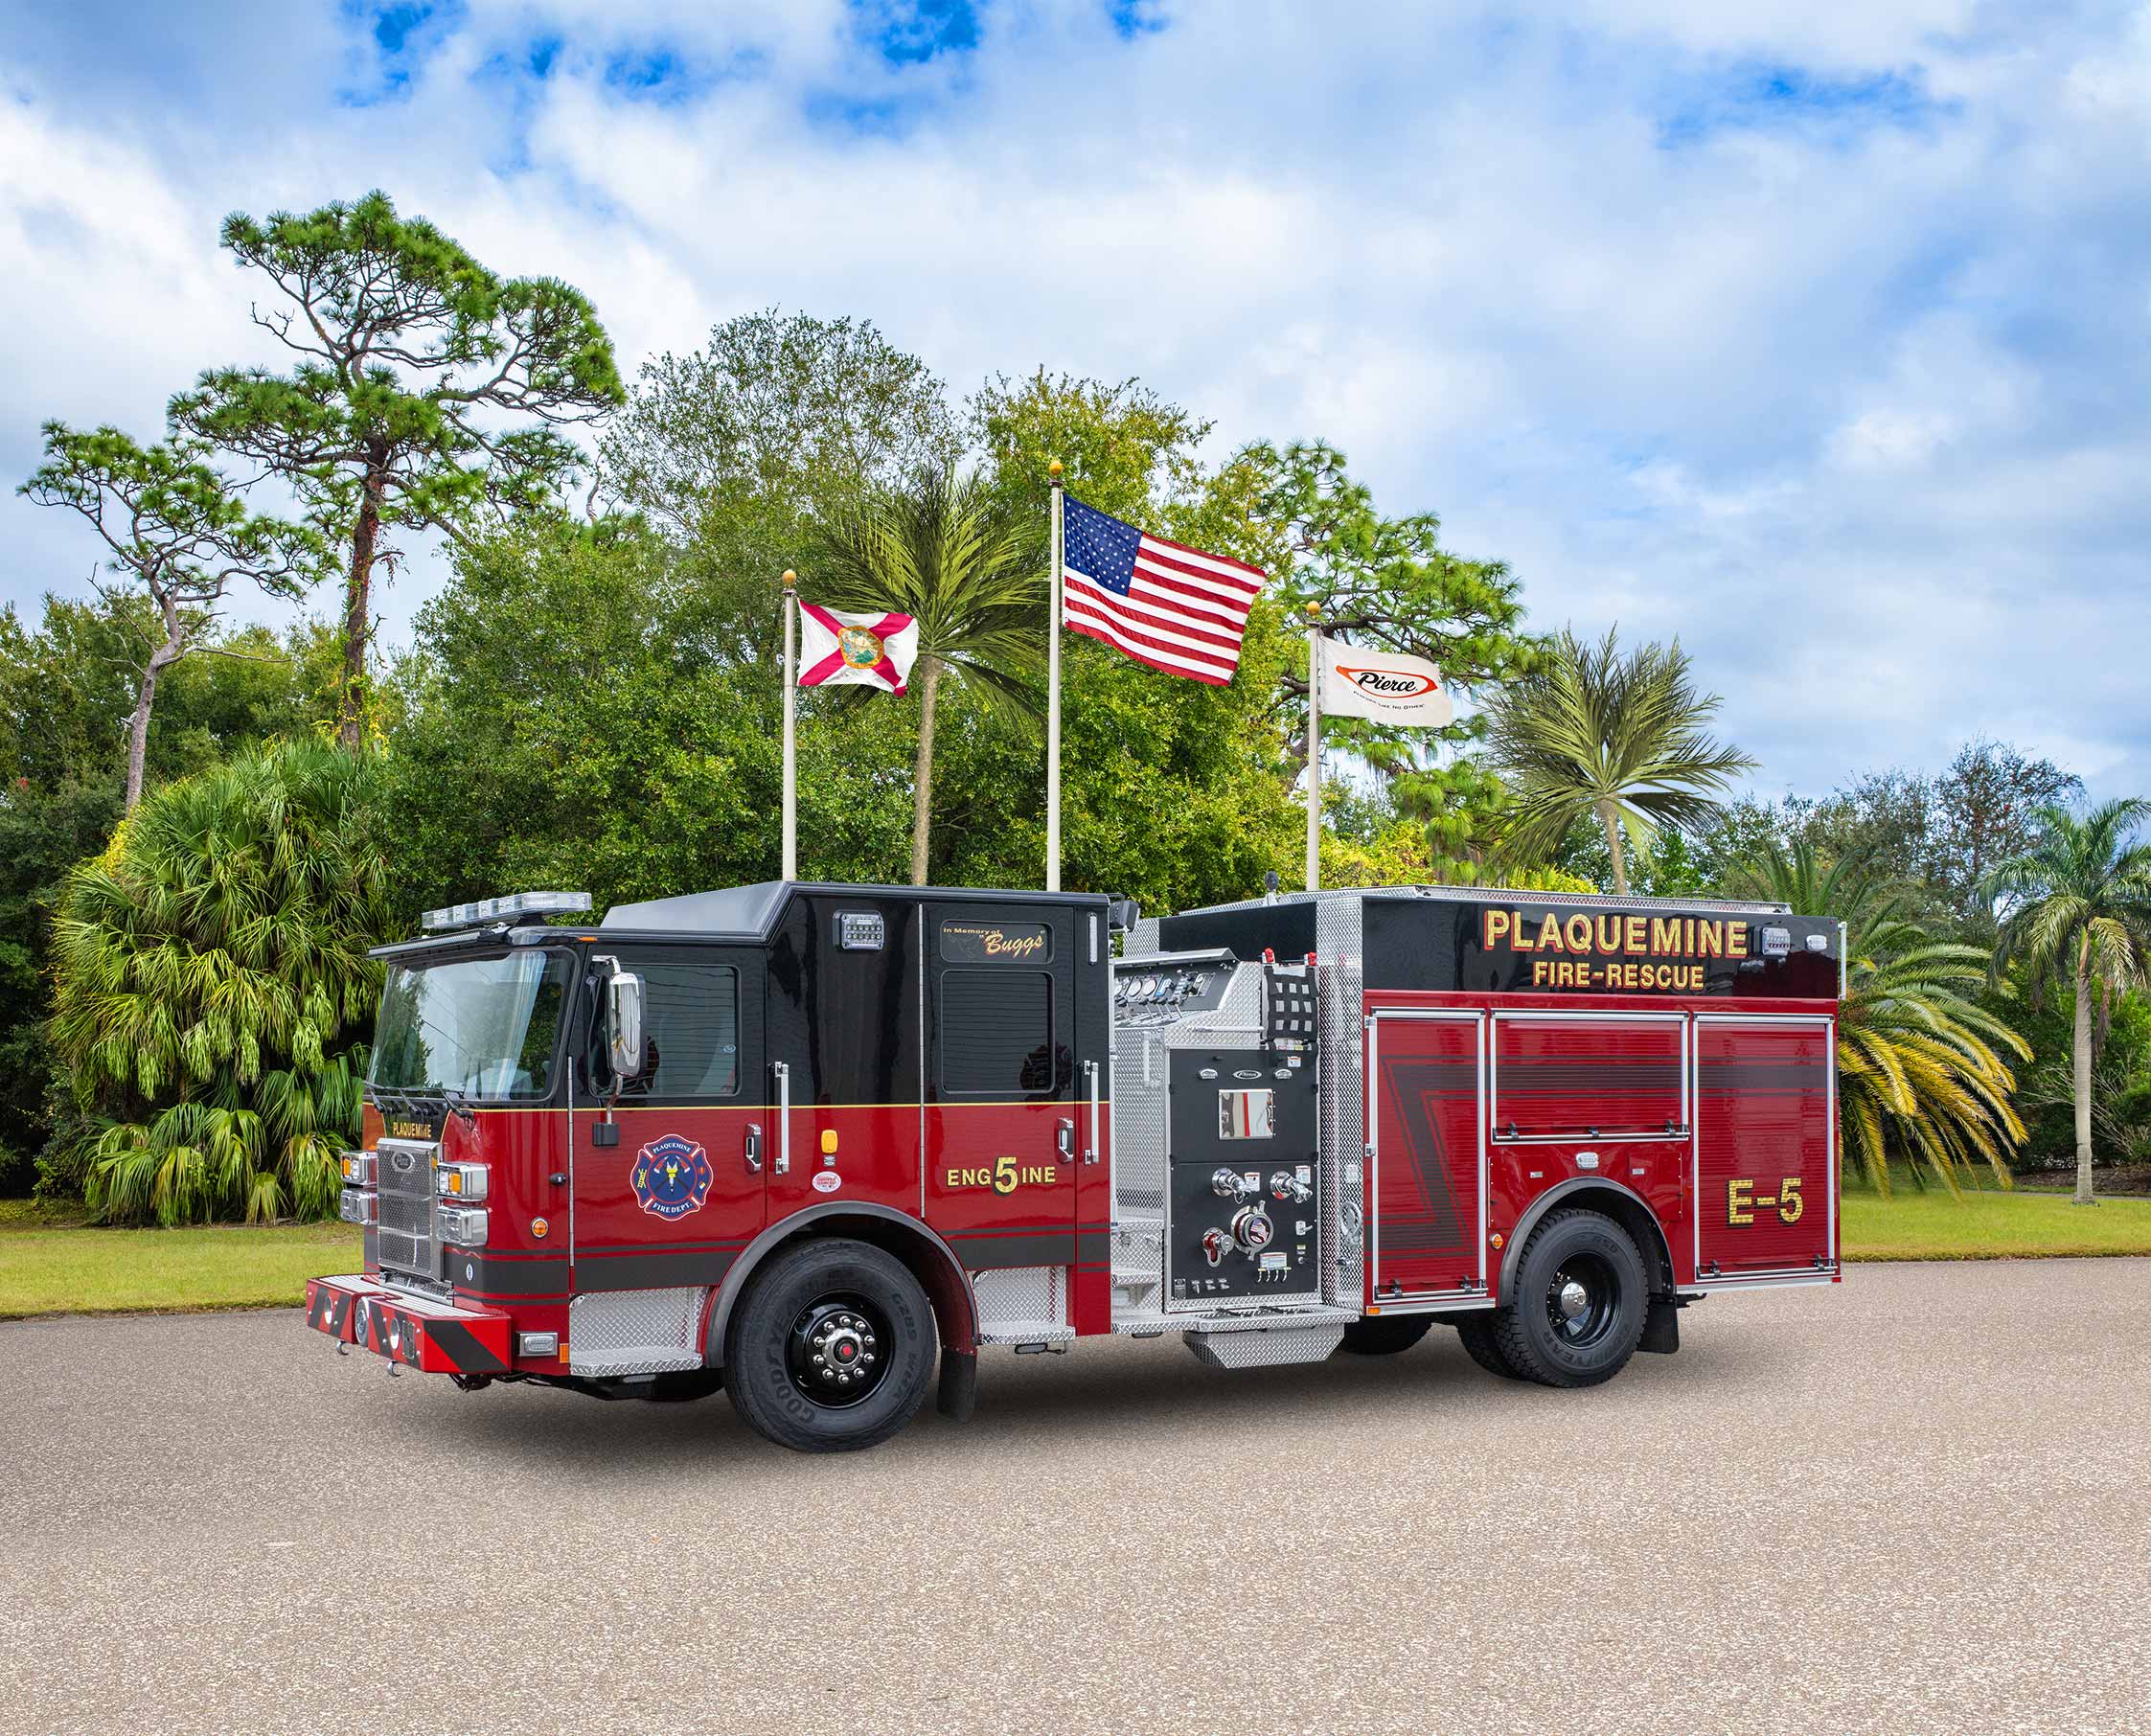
(461, 1181)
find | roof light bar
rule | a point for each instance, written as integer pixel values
(504, 909)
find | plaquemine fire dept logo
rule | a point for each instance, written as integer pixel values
(671, 1177)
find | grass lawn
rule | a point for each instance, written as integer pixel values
(51, 1265)
(1988, 1224)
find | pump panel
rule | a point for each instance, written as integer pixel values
(1243, 1183)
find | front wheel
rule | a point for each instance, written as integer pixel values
(1579, 1305)
(831, 1348)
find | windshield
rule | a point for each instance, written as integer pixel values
(486, 1027)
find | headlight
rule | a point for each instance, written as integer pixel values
(358, 1168)
(461, 1226)
(461, 1181)
(357, 1206)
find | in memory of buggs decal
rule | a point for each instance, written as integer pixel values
(671, 1177)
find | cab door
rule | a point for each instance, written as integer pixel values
(669, 1168)
(1002, 1107)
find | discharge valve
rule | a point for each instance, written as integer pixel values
(1284, 1185)
(1230, 1184)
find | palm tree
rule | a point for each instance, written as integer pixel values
(945, 552)
(2079, 908)
(1594, 732)
(1918, 1070)
(211, 985)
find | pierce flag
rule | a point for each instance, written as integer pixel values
(1386, 687)
(838, 648)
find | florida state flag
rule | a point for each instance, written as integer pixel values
(867, 650)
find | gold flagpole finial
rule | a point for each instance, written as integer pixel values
(1053, 468)
(790, 577)
(1313, 611)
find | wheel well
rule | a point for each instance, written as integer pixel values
(924, 1255)
(1616, 1202)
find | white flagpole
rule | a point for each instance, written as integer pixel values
(1053, 700)
(1314, 747)
(790, 706)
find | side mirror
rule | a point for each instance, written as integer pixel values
(623, 1003)
(1122, 914)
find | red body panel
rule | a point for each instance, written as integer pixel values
(1586, 1095)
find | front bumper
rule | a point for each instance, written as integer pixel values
(430, 1336)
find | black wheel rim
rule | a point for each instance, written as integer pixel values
(837, 1351)
(1583, 1301)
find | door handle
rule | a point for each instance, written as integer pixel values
(754, 1146)
(784, 1117)
(1091, 1148)
(1063, 1137)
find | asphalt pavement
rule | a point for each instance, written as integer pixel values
(1919, 1501)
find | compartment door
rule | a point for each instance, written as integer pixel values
(1426, 1156)
(1766, 1190)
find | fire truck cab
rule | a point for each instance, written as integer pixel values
(807, 1142)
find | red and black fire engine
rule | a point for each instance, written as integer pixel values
(795, 1140)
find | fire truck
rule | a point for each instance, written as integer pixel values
(806, 1142)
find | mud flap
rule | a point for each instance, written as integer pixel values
(958, 1394)
(1661, 1326)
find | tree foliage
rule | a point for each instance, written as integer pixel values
(171, 526)
(2077, 908)
(427, 388)
(211, 989)
(1624, 739)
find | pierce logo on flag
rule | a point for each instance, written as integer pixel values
(839, 648)
(1384, 687)
(1177, 608)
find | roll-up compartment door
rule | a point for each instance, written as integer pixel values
(1765, 1149)
(1566, 1076)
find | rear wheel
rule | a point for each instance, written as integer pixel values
(1484, 1348)
(1384, 1334)
(1579, 1303)
(831, 1348)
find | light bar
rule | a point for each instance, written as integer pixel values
(504, 909)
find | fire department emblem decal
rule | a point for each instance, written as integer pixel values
(671, 1177)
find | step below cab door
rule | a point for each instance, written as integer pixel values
(1765, 1182)
(1426, 1182)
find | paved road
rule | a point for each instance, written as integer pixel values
(1917, 1502)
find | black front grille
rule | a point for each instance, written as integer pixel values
(405, 1175)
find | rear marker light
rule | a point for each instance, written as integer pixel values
(539, 1343)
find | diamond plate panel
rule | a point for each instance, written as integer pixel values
(636, 1331)
(1337, 938)
(1027, 1296)
(1264, 1347)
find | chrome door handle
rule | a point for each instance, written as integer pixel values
(1091, 1148)
(784, 1117)
(754, 1146)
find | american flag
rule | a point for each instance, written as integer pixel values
(1163, 603)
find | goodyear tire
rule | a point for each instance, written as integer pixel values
(831, 1348)
(1384, 1334)
(1482, 1346)
(1579, 1302)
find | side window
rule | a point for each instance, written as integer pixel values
(995, 1033)
(691, 1032)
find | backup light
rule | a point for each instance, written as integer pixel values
(504, 909)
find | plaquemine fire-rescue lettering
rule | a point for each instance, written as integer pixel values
(807, 1142)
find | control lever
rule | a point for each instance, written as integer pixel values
(1230, 1184)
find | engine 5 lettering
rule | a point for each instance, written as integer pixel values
(1006, 1176)
(1743, 1202)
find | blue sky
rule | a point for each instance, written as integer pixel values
(1818, 335)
